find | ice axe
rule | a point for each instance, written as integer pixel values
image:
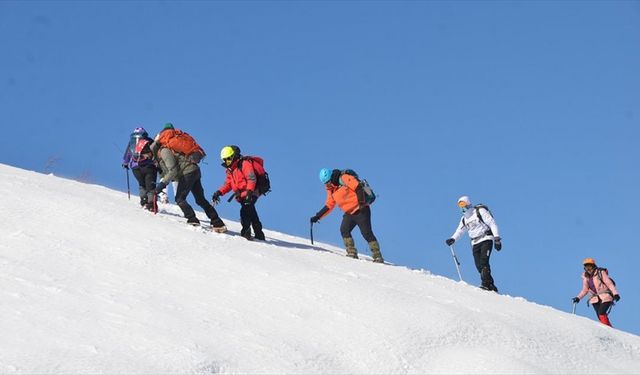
(128, 187)
(311, 232)
(155, 203)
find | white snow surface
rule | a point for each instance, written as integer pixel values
(92, 284)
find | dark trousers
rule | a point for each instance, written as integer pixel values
(146, 176)
(190, 183)
(249, 218)
(362, 219)
(602, 308)
(481, 254)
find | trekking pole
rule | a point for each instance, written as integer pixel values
(311, 232)
(610, 307)
(455, 260)
(573, 311)
(233, 196)
(128, 188)
(155, 203)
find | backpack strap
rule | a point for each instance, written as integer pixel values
(598, 273)
(241, 160)
(477, 210)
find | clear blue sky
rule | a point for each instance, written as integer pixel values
(529, 107)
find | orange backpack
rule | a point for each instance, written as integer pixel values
(182, 142)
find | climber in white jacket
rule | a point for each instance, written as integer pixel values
(482, 229)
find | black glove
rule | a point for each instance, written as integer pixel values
(450, 241)
(248, 199)
(319, 214)
(125, 165)
(159, 187)
(216, 197)
(616, 297)
(497, 242)
(575, 299)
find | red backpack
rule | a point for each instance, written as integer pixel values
(181, 142)
(263, 185)
(142, 150)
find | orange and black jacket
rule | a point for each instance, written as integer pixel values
(345, 191)
(241, 178)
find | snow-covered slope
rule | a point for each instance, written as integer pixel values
(90, 283)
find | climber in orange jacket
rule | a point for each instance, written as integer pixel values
(347, 192)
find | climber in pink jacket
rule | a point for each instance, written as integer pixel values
(602, 289)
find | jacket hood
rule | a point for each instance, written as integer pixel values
(465, 199)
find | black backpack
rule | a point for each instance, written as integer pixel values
(369, 195)
(263, 184)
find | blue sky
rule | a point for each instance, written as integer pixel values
(529, 107)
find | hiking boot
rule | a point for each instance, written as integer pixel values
(259, 236)
(221, 229)
(351, 247)
(485, 278)
(490, 288)
(246, 234)
(193, 221)
(374, 246)
(216, 222)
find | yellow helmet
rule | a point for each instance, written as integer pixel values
(226, 152)
(589, 261)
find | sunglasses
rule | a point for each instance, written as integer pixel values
(462, 204)
(589, 266)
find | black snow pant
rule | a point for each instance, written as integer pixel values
(146, 176)
(249, 218)
(190, 183)
(362, 219)
(481, 254)
(602, 308)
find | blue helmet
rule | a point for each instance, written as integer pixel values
(325, 175)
